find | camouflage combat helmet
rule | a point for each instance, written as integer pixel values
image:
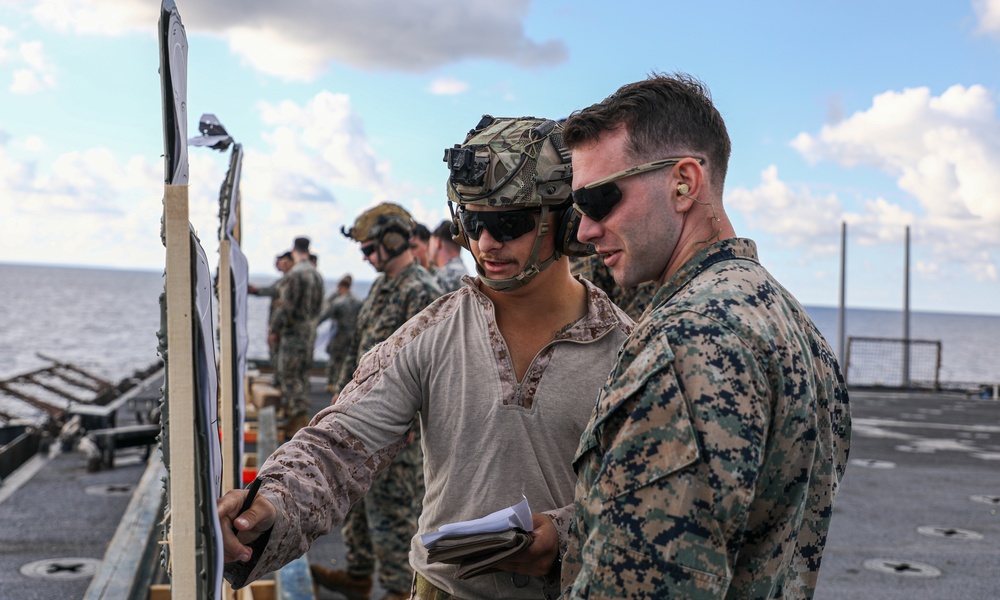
(372, 223)
(388, 224)
(518, 163)
(511, 162)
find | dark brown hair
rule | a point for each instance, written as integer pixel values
(665, 115)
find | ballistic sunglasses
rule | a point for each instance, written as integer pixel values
(596, 200)
(503, 226)
(368, 249)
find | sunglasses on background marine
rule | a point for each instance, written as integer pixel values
(596, 200)
(503, 226)
(368, 249)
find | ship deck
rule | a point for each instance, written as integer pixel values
(57, 516)
(916, 517)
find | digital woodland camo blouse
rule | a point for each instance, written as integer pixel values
(710, 464)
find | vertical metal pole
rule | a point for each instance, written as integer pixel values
(906, 311)
(841, 318)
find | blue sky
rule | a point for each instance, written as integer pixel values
(881, 114)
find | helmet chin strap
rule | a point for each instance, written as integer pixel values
(533, 266)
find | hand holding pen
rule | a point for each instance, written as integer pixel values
(246, 514)
(248, 501)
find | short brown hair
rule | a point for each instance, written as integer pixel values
(665, 115)
(443, 233)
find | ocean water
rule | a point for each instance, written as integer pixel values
(106, 321)
(102, 320)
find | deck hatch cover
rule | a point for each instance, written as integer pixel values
(951, 533)
(61, 568)
(905, 568)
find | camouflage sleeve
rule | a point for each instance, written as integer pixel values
(683, 430)
(328, 310)
(561, 518)
(270, 291)
(418, 298)
(313, 479)
(290, 297)
(349, 363)
(335, 310)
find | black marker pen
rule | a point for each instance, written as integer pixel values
(248, 501)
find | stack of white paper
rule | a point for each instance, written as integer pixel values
(518, 516)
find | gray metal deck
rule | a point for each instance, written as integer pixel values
(921, 497)
(922, 487)
(62, 513)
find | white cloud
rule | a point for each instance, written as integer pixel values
(988, 12)
(881, 223)
(102, 17)
(320, 144)
(34, 144)
(14, 175)
(983, 268)
(84, 208)
(316, 172)
(794, 216)
(33, 55)
(24, 81)
(448, 86)
(943, 151)
(39, 74)
(32, 72)
(295, 41)
(6, 35)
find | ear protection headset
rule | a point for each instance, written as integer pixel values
(457, 233)
(566, 241)
(392, 235)
(390, 225)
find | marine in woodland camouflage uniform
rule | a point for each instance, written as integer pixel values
(632, 300)
(446, 259)
(292, 328)
(342, 308)
(717, 446)
(381, 525)
(283, 262)
(449, 275)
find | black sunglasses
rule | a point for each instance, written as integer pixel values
(596, 200)
(503, 226)
(368, 249)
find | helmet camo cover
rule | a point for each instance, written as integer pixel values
(375, 221)
(510, 162)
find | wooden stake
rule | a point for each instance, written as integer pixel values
(181, 392)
